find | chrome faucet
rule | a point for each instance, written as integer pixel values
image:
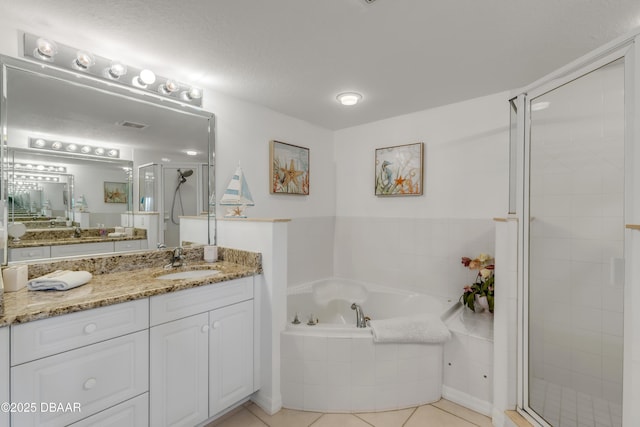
(77, 232)
(177, 257)
(361, 320)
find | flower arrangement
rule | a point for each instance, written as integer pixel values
(481, 291)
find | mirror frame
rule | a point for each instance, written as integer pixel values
(112, 88)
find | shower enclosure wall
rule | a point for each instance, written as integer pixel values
(574, 153)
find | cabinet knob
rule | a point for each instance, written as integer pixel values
(216, 324)
(91, 327)
(205, 328)
(90, 383)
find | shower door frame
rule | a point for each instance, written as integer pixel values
(623, 48)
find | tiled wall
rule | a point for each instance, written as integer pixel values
(418, 254)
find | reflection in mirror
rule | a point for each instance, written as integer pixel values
(85, 138)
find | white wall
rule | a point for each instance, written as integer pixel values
(416, 242)
(243, 131)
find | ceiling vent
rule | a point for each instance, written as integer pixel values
(133, 125)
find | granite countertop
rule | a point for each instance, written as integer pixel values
(69, 241)
(119, 279)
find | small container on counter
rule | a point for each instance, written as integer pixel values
(15, 277)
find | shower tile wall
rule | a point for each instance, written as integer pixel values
(419, 254)
(576, 236)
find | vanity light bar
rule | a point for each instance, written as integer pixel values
(32, 167)
(73, 148)
(67, 57)
(34, 177)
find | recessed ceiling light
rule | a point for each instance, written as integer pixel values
(349, 98)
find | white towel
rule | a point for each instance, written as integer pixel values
(424, 328)
(59, 280)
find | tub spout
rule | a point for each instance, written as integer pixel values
(361, 321)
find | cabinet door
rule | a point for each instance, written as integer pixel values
(179, 372)
(81, 249)
(230, 355)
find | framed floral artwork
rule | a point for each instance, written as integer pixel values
(289, 169)
(399, 170)
(115, 192)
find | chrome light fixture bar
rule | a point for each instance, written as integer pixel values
(66, 57)
(35, 168)
(73, 148)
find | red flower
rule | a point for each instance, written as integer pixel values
(466, 261)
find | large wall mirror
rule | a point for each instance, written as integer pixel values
(75, 149)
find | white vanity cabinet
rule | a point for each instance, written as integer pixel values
(4, 373)
(81, 363)
(202, 352)
(91, 248)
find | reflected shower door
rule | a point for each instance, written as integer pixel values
(576, 250)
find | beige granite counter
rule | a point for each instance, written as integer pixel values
(55, 237)
(121, 278)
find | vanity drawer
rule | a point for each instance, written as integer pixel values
(81, 249)
(176, 305)
(26, 254)
(127, 245)
(132, 413)
(33, 340)
(93, 378)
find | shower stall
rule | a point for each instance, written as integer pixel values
(173, 190)
(573, 160)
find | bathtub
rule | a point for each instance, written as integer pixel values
(333, 366)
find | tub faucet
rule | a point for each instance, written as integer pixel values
(177, 257)
(77, 232)
(361, 320)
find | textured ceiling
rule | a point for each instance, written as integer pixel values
(294, 56)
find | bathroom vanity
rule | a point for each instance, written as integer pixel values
(130, 348)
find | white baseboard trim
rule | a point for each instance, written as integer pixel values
(268, 404)
(499, 419)
(468, 401)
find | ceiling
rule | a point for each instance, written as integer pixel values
(295, 56)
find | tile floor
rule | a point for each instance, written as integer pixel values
(566, 407)
(440, 414)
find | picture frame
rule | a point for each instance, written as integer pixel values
(399, 170)
(288, 169)
(116, 192)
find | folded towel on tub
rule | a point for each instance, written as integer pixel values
(59, 280)
(423, 328)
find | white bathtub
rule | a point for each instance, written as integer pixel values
(335, 367)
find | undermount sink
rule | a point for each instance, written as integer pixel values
(188, 274)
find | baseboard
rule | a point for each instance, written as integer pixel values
(468, 401)
(268, 404)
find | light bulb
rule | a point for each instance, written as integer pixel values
(145, 78)
(40, 142)
(83, 60)
(170, 86)
(72, 147)
(56, 145)
(45, 49)
(116, 70)
(86, 149)
(349, 98)
(99, 151)
(112, 153)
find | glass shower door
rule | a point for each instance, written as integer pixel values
(576, 251)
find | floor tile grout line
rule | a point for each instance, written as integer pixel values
(257, 417)
(363, 420)
(457, 416)
(410, 415)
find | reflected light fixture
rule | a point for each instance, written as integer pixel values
(73, 149)
(83, 60)
(191, 152)
(349, 98)
(192, 93)
(116, 70)
(540, 105)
